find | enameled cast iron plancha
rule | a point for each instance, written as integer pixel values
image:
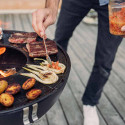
(24, 112)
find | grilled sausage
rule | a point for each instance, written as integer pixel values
(29, 83)
(3, 86)
(33, 94)
(13, 88)
(6, 99)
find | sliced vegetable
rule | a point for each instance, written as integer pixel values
(37, 67)
(39, 59)
(2, 50)
(47, 77)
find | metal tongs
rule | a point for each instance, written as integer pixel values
(47, 55)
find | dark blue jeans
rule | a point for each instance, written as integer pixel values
(72, 12)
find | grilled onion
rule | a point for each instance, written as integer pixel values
(45, 77)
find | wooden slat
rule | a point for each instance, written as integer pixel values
(26, 23)
(42, 121)
(8, 19)
(70, 107)
(55, 115)
(1, 20)
(17, 22)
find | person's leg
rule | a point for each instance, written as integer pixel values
(106, 49)
(72, 12)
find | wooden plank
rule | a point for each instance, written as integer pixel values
(1, 20)
(56, 116)
(70, 107)
(17, 22)
(8, 19)
(41, 121)
(26, 23)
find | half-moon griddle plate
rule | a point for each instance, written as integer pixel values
(17, 56)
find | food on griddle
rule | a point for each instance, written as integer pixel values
(37, 49)
(55, 67)
(7, 73)
(45, 77)
(13, 89)
(33, 94)
(3, 86)
(2, 50)
(23, 37)
(29, 83)
(6, 99)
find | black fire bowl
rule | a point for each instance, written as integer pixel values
(23, 111)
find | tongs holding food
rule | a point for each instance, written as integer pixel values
(47, 55)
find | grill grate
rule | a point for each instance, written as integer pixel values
(17, 57)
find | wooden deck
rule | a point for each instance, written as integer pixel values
(68, 109)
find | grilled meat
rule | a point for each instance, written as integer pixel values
(23, 37)
(37, 49)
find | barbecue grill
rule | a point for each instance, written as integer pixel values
(23, 111)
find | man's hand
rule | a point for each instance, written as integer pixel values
(42, 18)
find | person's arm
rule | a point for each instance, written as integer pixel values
(42, 18)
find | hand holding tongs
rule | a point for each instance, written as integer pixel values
(47, 55)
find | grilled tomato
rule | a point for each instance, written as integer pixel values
(56, 67)
(13, 88)
(6, 99)
(29, 83)
(33, 94)
(3, 86)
